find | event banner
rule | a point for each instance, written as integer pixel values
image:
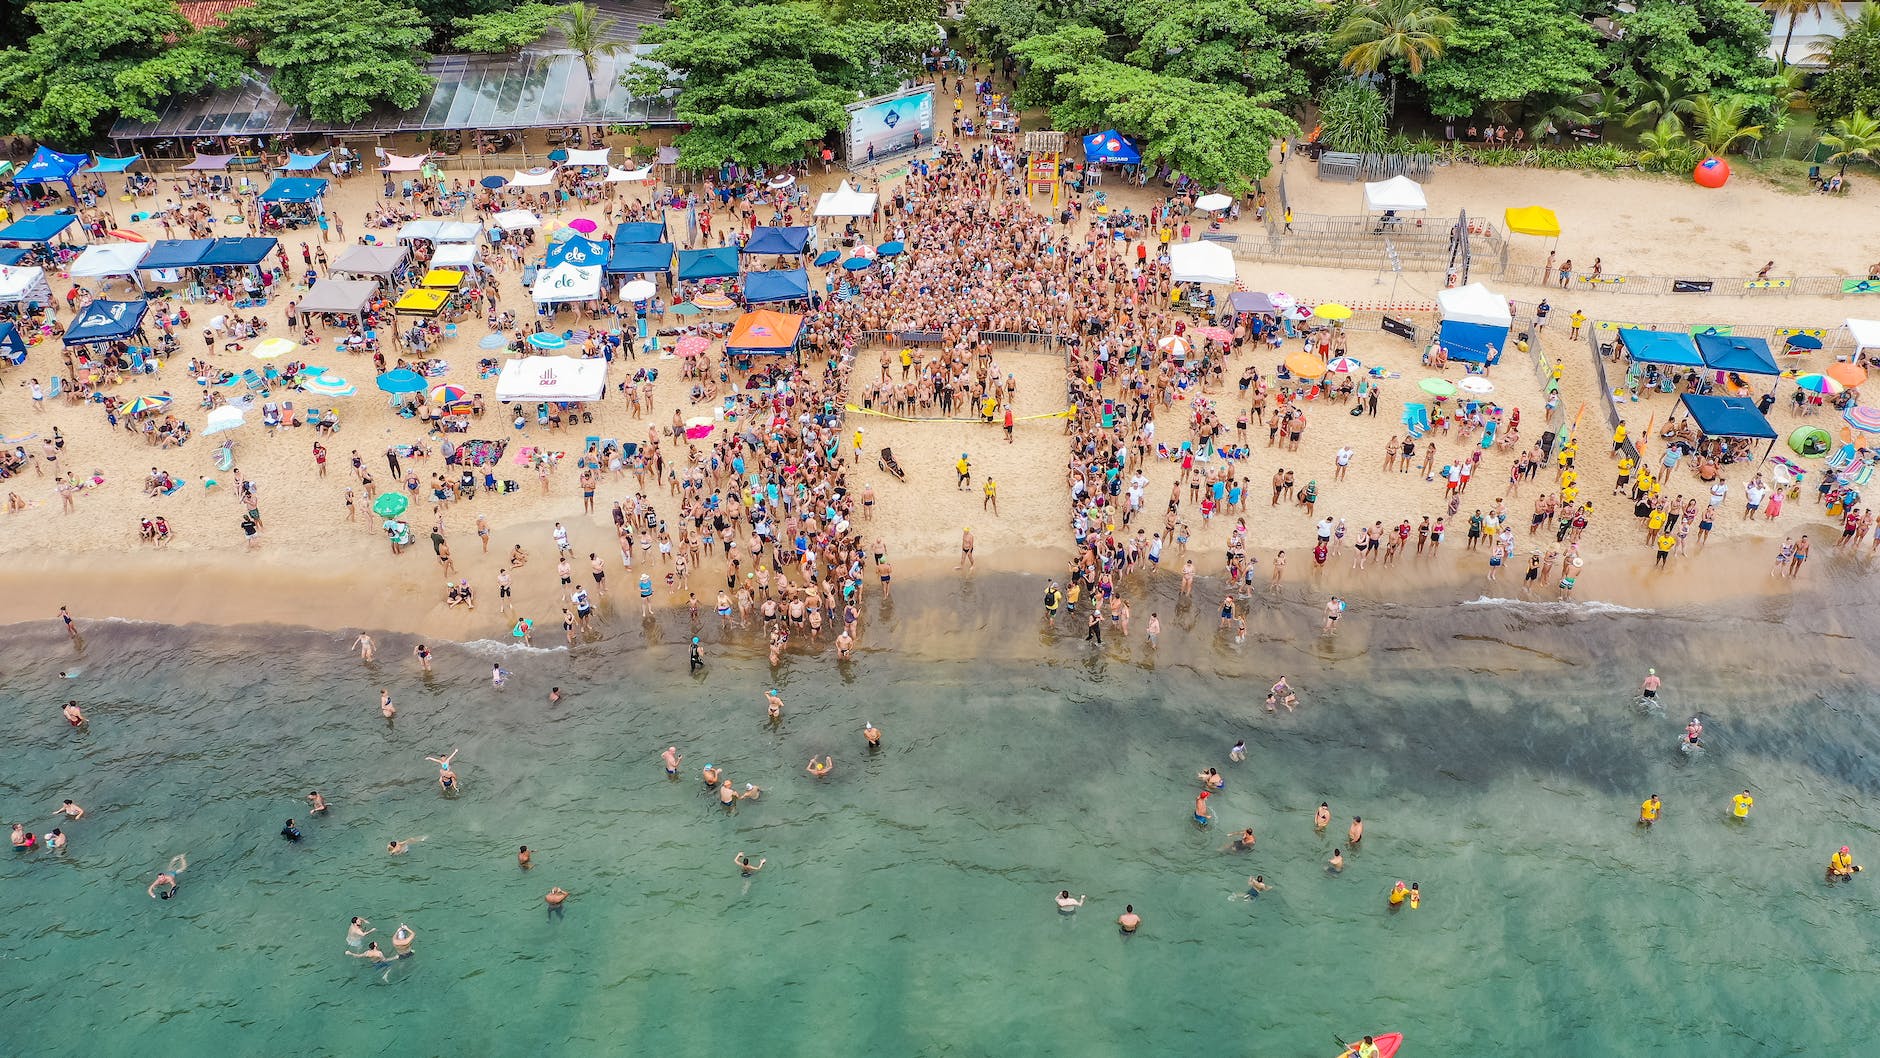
(879, 128)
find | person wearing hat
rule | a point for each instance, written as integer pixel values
(1652, 682)
(1841, 864)
(872, 734)
(965, 470)
(698, 655)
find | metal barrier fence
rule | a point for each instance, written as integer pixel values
(1726, 286)
(1334, 239)
(1024, 338)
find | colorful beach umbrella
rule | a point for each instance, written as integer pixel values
(151, 403)
(714, 301)
(891, 249)
(269, 348)
(1218, 334)
(330, 386)
(493, 182)
(692, 345)
(390, 505)
(780, 181)
(493, 340)
(583, 225)
(856, 264)
(547, 340)
(448, 394)
(1174, 345)
(1332, 310)
(1819, 384)
(401, 380)
(1849, 375)
(1475, 384)
(19, 439)
(1437, 387)
(127, 236)
(1863, 417)
(223, 418)
(685, 308)
(1306, 365)
(1344, 365)
(827, 258)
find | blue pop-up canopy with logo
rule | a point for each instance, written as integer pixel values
(577, 251)
(1111, 146)
(48, 165)
(12, 346)
(106, 321)
(633, 257)
(294, 189)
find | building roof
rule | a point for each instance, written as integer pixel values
(207, 14)
(472, 92)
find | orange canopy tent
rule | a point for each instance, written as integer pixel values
(764, 331)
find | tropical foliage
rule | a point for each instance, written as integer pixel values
(1853, 138)
(1351, 118)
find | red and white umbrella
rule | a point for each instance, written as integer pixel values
(693, 345)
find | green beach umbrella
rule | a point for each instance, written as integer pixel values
(1438, 387)
(390, 505)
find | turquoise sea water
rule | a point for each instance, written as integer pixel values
(1495, 752)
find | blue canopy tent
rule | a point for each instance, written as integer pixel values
(227, 252)
(777, 240)
(636, 257)
(303, 163)
(1661, 347)
(715, 263)
(13, 256)
(295, 189)
(1111, 146)
(640, 231)
(48, 166)
(577, 251)
(1738, 353)
(12, 346)
(1471, 342)
(166, 254)
(106, 321)
(1729, 417)
(101, 164)
(43, 227)
(784, 284)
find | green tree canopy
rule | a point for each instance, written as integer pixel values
(1853, 138)
(337, 58)
(506, 32)
(758, 83)
(1852, 80)
(96, 59)
(1251, 43)
(1713, 45)
(1513, 54)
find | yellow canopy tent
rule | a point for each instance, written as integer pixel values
(421, 301)
(442, 279)
(1532, 220)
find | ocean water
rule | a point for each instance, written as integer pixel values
(1495, 750)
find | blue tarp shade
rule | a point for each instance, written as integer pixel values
(788, 284)
(577, 251)
(1661, 347)
(42, 228)
(777, 240)
(715, 263)
(1733, 352)
(301, 163)
(294, 189)
(640, 231)
(105, 321)
(1728, 417)
(12, 346)
(238, 251)
(1111, 147)
(1470, 342)
(113, 165)
(48, 165)
(9, 258)
(175, 253)
(640, 257)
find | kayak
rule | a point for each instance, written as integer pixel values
(1387, 1044)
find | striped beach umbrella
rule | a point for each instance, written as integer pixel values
(1863, 417)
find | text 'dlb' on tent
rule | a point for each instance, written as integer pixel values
(1743, 354)
(764, 331)
(788, 284)
(106, 321)
(552, 378)
(718, 262)
(1671, 348)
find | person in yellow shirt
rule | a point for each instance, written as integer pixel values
(1618, 437)
(858, 445)
(992, 497)
(965, 470)
(1741, 804)
(1665, 543)
(1841, 864)
(1578, 320)
(1655, 523)
(1567, 452)
(1649, 809)
(1626, 466)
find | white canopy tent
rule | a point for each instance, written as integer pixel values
(24, 285)
(628, 176)
(552, 378)
(598, 157)
(1475, 303)
(845, 201)
(440, 231)
(364, 260)
(462, 255)
(398, 164)
(1866, 334)
(541, 179)
(109, 261)
(1201, 262)
(516, 220)
(567, 282)
(1399, 193)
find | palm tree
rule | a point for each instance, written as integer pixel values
(1856, 136)
(1666, 97)
(586, 32)
(1382, 30)
(1718, 123)
(1664, 145)
(1796, 9)
(1607, 104)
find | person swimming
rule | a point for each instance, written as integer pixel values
(290, 831)
(872, 734)
(1203, 814)
(1129, 921)
(1212, 780)
(1399, 893)
(1694, 732)
(402, 938)
(356, 932)
(1239, 752)
(1066, 903)
(1323, 817)
(1243, 842)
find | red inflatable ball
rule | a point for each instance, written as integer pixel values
(1712, 172)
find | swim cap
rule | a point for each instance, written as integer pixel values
(694, 640)
(750, 786)
(1651, 672)
(1844, 848)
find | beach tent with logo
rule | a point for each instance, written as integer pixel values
(12, 346)
(567, 282)
(630, 258)
(845, 201)
(715, 263)
(295, 189)
(785, 284)
(24, 286)
(1111, 146)
(552, 378)
(577, 251)
(1742, 354)
(421, 301)
(777, 240)
(41, 227)
(49, 166)
(106, 321)
(1671, 348)
(764, 331)
(1475, 323)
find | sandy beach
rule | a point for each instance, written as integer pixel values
(1644, 225)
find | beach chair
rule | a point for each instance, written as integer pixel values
(225, 457)
(886, 462)
(58, 387)
(252, 379)
(313, 418)
(1843, 457)
(1416, 419)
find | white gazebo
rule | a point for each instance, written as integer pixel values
(1399, 194)
(1201, 262)
(1866, 334)
(845, 201)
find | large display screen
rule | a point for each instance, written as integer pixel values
(891, 124)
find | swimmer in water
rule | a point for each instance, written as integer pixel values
(1281, 694)
(773, 705)
(820, 769)
(1128, 921)
(1203, 814)
(1842, 865)
(290, 831)
(1243, 842)
(672, 758)
(1336, 864)
(712, 775)
(446, 779)
(1399, 893)
(1650, 687)
(402, 938)
(56, 839)
(746, 867)
(498, 675)
(872, 734)
(74, 715)
(1355, 832)
(372, 952)
(386, 709)
(1239, 752)
(1741, 804)
(356, 932)
(363, 645)
(556, 897)
(1694, 732)
(1648, 810)
(21, 839)
(399, 848)
(1066, 903)
(525, 859)
(1323, 817)
(1211, 780)
(315, 803)
(165, 881)
(70, 811)
(1257, 885)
